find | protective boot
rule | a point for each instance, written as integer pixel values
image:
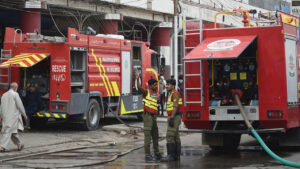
(178, 151)
(171, 148)
(158, 157)
(149, 158)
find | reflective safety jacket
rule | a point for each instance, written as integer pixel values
(150, 102)
(171, 101)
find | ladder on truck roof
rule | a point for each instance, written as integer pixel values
(5, 72)
(186, 49)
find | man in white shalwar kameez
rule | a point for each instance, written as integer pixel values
(10, 115)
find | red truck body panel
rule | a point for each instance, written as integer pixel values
(104, 62)
(271, 72)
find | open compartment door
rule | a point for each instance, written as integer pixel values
(221, 47)
(211, 48)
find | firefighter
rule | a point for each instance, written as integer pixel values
(173, 108)
(33, 103)
(150, 100)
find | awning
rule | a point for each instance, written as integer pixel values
(221, 47)
(24, 60)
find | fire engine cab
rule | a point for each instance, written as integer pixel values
(261, 64)
(81, 77)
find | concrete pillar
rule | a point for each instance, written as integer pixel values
(161, 35)
(30, 20)
(110, 24)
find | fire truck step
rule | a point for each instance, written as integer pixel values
(51, 115)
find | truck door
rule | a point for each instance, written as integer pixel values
(126, 72)
(291, 68)
(136, 64)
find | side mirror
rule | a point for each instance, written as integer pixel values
(162, 65)
(163, 62)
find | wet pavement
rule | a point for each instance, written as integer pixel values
(87, 154)
(248, 156)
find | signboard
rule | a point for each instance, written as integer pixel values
(296, 10)
(290, 20)
(296, 7)
(35, 4)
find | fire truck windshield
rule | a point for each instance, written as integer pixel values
(154, 61)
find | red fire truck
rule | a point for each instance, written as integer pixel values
(259, 63)
(81, 77)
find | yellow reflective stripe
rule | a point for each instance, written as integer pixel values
(19, 58)
(24, 57)
(29, 61)
(40, 115)
(155, 73)
(104, 73)
(150, 106)
(116, 88)
(43, 55)
(37, 58)
(180, 101)
(150, 102)
(56, 115)
(151, 99)
(95, 57)
(124, 111)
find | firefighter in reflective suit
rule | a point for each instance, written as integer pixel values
(173, 108)
(150, 98)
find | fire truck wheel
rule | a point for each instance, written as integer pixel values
(93, 116)
(231, 141)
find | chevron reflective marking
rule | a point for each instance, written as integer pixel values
(49, 115)
(25, 60)
(56, 115)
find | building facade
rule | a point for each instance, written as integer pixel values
(146, 20)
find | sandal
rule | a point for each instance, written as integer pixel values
(21, 147)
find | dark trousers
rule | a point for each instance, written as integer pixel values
(150, 132)
(162, 103)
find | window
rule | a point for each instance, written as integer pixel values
(154, 61)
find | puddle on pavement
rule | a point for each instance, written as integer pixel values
(202, 158)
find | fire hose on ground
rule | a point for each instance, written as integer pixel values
(259, 139)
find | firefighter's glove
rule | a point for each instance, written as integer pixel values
(171, 122)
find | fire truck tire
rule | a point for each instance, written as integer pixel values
(93, 116)
(230, 143)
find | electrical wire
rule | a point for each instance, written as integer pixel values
(55, 22)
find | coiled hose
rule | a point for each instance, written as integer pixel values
(259, 139)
